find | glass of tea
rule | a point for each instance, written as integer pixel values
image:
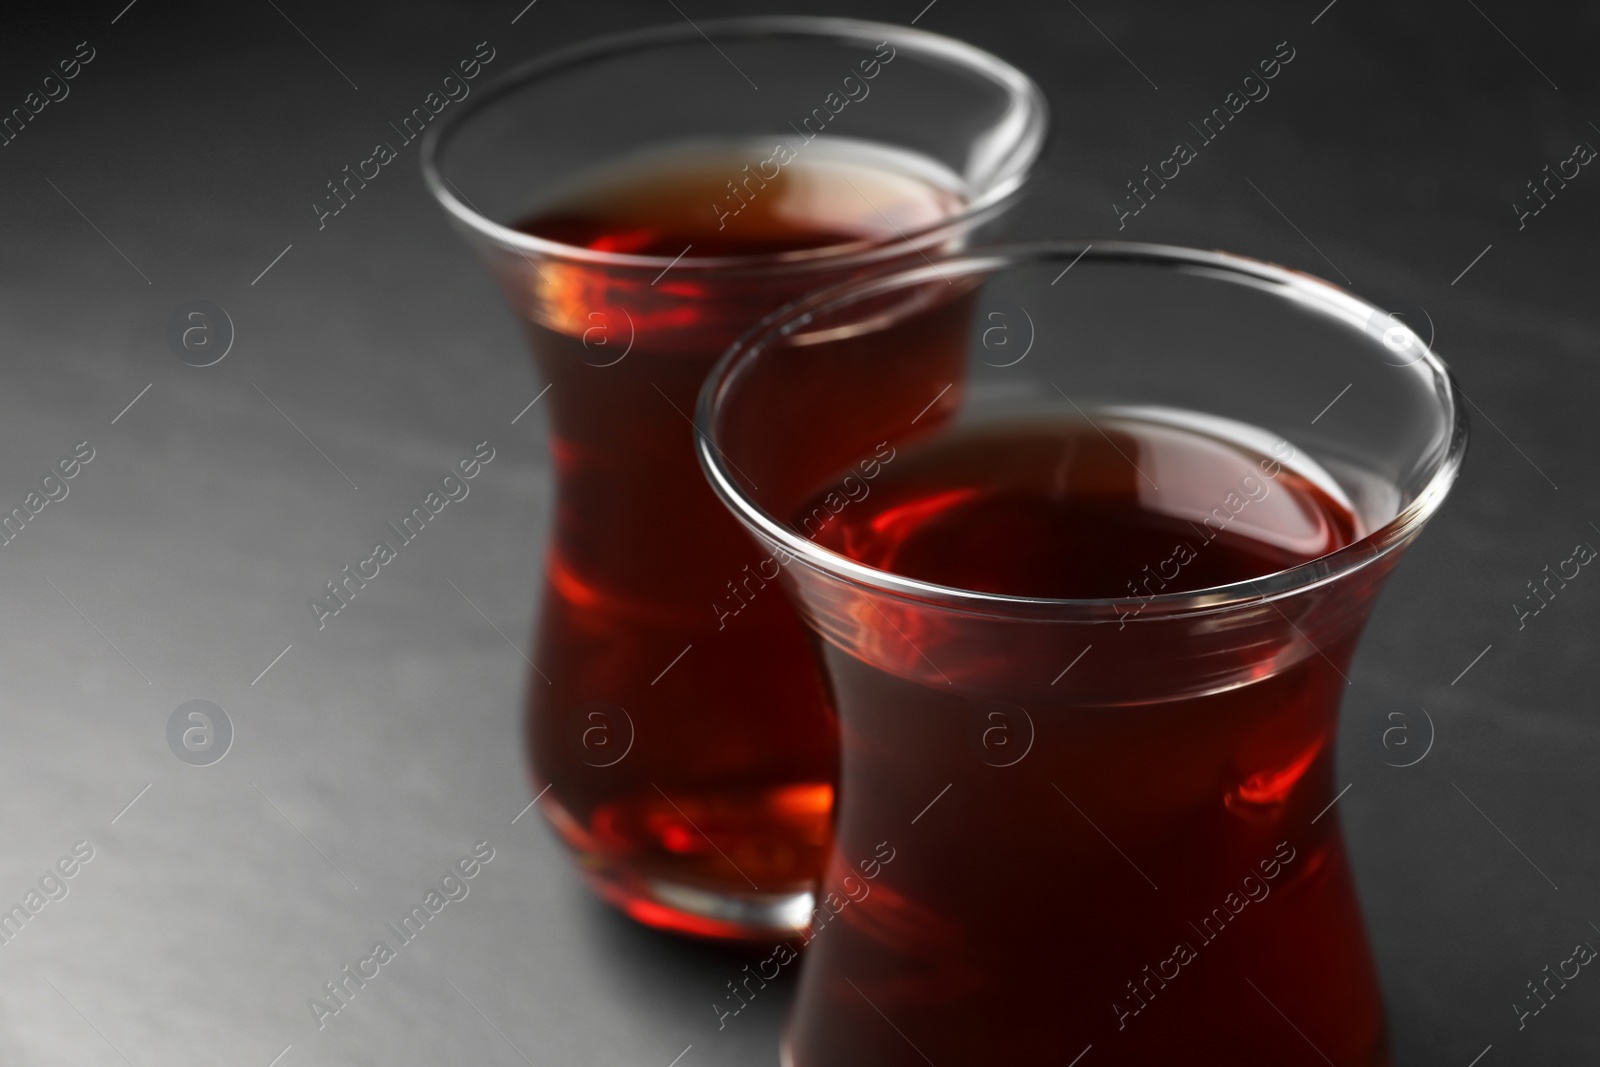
(1087, 600)
(643, 200)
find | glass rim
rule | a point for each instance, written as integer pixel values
(1305, 289)
(1019, 156)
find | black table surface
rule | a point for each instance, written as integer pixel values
(1392, 156)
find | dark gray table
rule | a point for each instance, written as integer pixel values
(367, 757)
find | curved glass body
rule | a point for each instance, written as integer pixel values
(642, 203)
(1105, 820)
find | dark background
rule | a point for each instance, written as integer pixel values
(196, 141)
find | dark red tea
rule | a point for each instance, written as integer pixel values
(689, 748)
(1065, 510)
(714, 200)
(1153, 878)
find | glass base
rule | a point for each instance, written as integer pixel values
(686, 909)
(678, 905)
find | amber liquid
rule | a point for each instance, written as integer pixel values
(691, 753)
(1114, 875)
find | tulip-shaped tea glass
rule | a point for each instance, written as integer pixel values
(1087, 603)
(643, 200)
